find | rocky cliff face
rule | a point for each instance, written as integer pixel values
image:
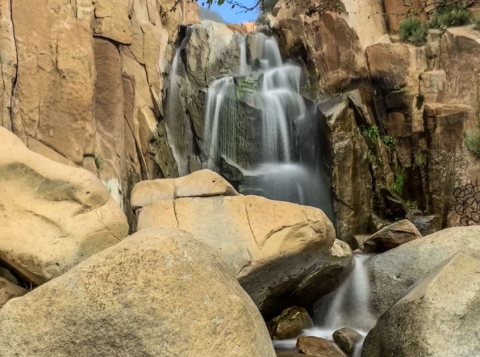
(396, 114)
(82, 83)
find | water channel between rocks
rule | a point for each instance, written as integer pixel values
(348, 306)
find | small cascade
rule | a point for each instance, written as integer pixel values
(348, 306)
(220, 117)
(242, 70)
(173, 106)
(285, 159)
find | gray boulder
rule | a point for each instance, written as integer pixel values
(156, 293)
(393, 273)
(439, 317)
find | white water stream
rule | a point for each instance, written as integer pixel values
(289, 167)
(348, 306)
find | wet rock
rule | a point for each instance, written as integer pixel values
(357, 241)
(425, 224)
(290, 323)
(391, 236)
(9, 291)
(317, 346)
(439, 316)
(132, 300)
(347, 339)
(353, 200)
(390, 280)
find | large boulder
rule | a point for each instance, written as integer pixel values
(391, 236)
(9, 291)
(283, 254)
(157, 293)
(393, 273)
(52, 216)
(440, 316)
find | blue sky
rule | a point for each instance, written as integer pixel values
(232, 16)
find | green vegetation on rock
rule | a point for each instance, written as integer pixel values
(399, 183)
(390, 142)
(371, 133)
(451, 15)
(413, 30)
(476, 22)
(472, 142)
(99, 161)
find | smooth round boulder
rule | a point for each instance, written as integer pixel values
(157, 293)
(439, 317)
(290, 323)
(393, 273)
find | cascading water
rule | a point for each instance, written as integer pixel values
(173, 124)
(348, 306)
(286, 163)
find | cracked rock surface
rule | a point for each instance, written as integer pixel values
(282, 253)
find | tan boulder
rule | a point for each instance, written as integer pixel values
(439, 316)
(316, 346)
(9, 291)
(134, 299)
(52, 216)
(391, 236)
(202, 183)
(283, 254)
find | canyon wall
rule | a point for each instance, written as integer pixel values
(82, 83)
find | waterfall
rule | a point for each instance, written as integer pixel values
(242, 70)
(285, 159)
(173, 123)
(348, 306)
(220, 117)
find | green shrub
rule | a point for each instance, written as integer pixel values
(371, 133)
(472, 142)
(410, 204)
(447, 16)
(99, 161)
(413, 30)
(399, 183)
(419, 160)
(390, 142)
(476, 22)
